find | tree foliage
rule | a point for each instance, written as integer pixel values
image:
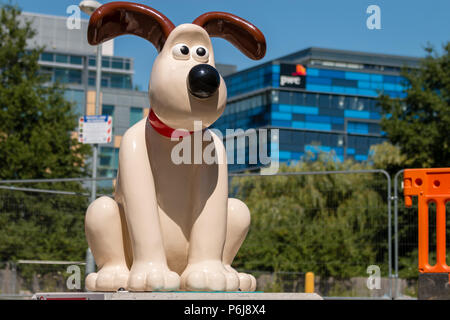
(420, 124)
(334, 224)
(36, 122)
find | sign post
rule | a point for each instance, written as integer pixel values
(94, 130)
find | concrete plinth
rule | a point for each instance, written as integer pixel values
(181, 295)
(434, 286)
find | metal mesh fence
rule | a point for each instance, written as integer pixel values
(41, 220)
(333, 224)
(20, 279)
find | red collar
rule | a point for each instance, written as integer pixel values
(164, 129)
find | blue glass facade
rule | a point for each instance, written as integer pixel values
(355, 83)
(333, 109)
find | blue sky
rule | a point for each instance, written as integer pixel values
(291, 25)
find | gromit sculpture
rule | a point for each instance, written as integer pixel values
(171, 226)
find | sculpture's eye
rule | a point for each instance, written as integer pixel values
(200, 54)
(181, 52)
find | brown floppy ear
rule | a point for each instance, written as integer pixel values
(117, 18)
(241, 33)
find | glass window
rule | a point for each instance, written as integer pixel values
(45, 56)
(284, 97)
(76, 60)
(298, 99)
(108, 110)
(105, 161)
(116, 158)
(364, 104)
(324, 101)
(75, 76)
(92, 62)
(135, 115)
(117, 81)
(106, 156)
(62, 58)
(275, 97)
(78, 97)
(61, 75)
(373, 105)
(117, 64)
(106, 63)
(352, 103)
(338, 102)
(105, 82)
(311, 99)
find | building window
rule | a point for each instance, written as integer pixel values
(111, 80)
(135, 115)
(108, 161)
(76, 60)
(108, 110)
(61, 58)
(45, 56)
(75, 76)
(117, 64)
(106, 156)
(106, 63)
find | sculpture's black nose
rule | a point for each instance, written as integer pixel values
(203, 80)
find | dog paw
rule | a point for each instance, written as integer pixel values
(152, 277)
(209, 276)
(247, 282)
(108, 278)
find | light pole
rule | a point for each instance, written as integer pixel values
(88, 7)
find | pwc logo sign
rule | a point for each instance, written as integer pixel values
(292, 76)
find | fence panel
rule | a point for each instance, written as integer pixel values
(334, 224)
(21, 279)
(41, 220)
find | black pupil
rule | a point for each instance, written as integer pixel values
(201, 51)
(184, 50)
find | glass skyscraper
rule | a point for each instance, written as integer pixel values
(321, 100)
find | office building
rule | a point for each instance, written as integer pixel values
(321, 100)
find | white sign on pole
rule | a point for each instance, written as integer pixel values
(94, 129)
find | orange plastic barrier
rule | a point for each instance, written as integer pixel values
(430, 185)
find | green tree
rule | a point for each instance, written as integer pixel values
(420, 123)
(35, 119)
(36, 123)
(387, 156)
(334, 225)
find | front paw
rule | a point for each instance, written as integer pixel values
(247, 282)
(152, 277)
(108, 278)
(209, 276)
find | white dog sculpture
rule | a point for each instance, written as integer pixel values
(171, 226)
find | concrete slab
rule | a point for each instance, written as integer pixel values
(178, 295)
(434, 286)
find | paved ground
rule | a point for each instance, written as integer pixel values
(175, 296)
